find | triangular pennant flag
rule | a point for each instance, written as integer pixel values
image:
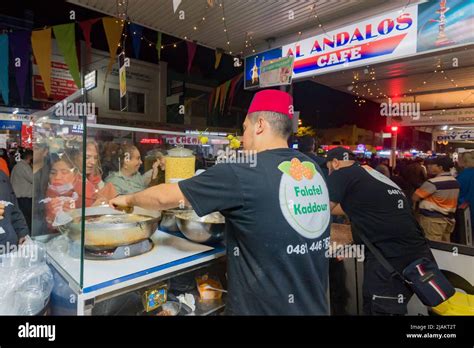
(136, 33)
(233, 86)
(41, 45)
(158, 46)
(218, 59)
(216, 98)
(191, 52)
(65, 35)
(20, 46)
(211, 99)
(224, 95)
(113, 31)
(4, 87)
(176, 4)
(86, 27)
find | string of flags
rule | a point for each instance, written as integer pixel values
(219, 94)
(39, 42)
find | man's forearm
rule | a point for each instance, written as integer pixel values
(160, 197)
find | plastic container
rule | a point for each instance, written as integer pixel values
(180, 165)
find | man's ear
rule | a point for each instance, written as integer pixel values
(260, 125)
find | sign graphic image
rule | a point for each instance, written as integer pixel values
(253, 65)
(443, 23)
(304, 198)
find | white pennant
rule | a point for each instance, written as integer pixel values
(176, 4)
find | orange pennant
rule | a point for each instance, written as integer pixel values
(41, 45)
(113, 31)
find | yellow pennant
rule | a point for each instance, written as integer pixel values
(218, 59)
(113, 31)
(41, 45)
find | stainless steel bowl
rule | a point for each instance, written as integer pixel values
(121, 229)
(168, 219)
(205, 229)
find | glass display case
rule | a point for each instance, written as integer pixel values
(95, 249)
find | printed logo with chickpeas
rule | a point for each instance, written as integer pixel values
(304, 198)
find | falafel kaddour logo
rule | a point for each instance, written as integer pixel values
(304, 198)
(385, 37)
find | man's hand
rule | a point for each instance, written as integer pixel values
(21, 240)
(2, 211)
(121, 202)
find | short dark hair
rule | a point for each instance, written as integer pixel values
(306, 143)
(442, 161)
(26, 153)
(281, 124)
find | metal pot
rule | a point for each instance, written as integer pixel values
(201, 229)
(116, 229)
(168, 220)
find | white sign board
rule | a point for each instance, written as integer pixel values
(436, 118)
(386, 37)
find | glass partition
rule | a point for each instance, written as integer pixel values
(78, 170)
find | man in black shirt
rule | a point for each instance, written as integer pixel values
(307, 145)
(378, 208)
(277, 216)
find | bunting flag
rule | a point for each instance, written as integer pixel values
(191, 52)
(20, 46)
(4, 88)
(176, 4)
(158, 46)
(66, 39)
(113, 31)
(86, 27)
(136, 33)
(41, 45)
(224, 95)
(211, 99)
(218, 59)
(233, 88)
(216, 98)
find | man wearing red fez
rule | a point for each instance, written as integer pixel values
(277, 215)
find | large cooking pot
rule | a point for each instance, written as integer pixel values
(106, 227)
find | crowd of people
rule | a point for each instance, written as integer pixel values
(38, 185)
(435, 187)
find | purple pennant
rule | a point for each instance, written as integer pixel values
(20, 47)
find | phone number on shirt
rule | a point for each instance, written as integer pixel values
(305, 249)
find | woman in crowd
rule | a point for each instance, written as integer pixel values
(97, 192)
(61, 195)
(128, 179)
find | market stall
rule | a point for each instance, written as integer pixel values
(101, 257)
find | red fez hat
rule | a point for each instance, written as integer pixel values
(272, 100)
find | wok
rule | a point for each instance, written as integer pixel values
(107, 228)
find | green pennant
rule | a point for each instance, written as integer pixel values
(158, 45)
(66, 39)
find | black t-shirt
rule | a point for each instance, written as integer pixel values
(277, 231)
(378, 208)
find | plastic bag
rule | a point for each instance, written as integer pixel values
(26, 281)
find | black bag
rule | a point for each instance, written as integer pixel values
(422, 275)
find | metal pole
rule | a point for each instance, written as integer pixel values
(393, 155)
